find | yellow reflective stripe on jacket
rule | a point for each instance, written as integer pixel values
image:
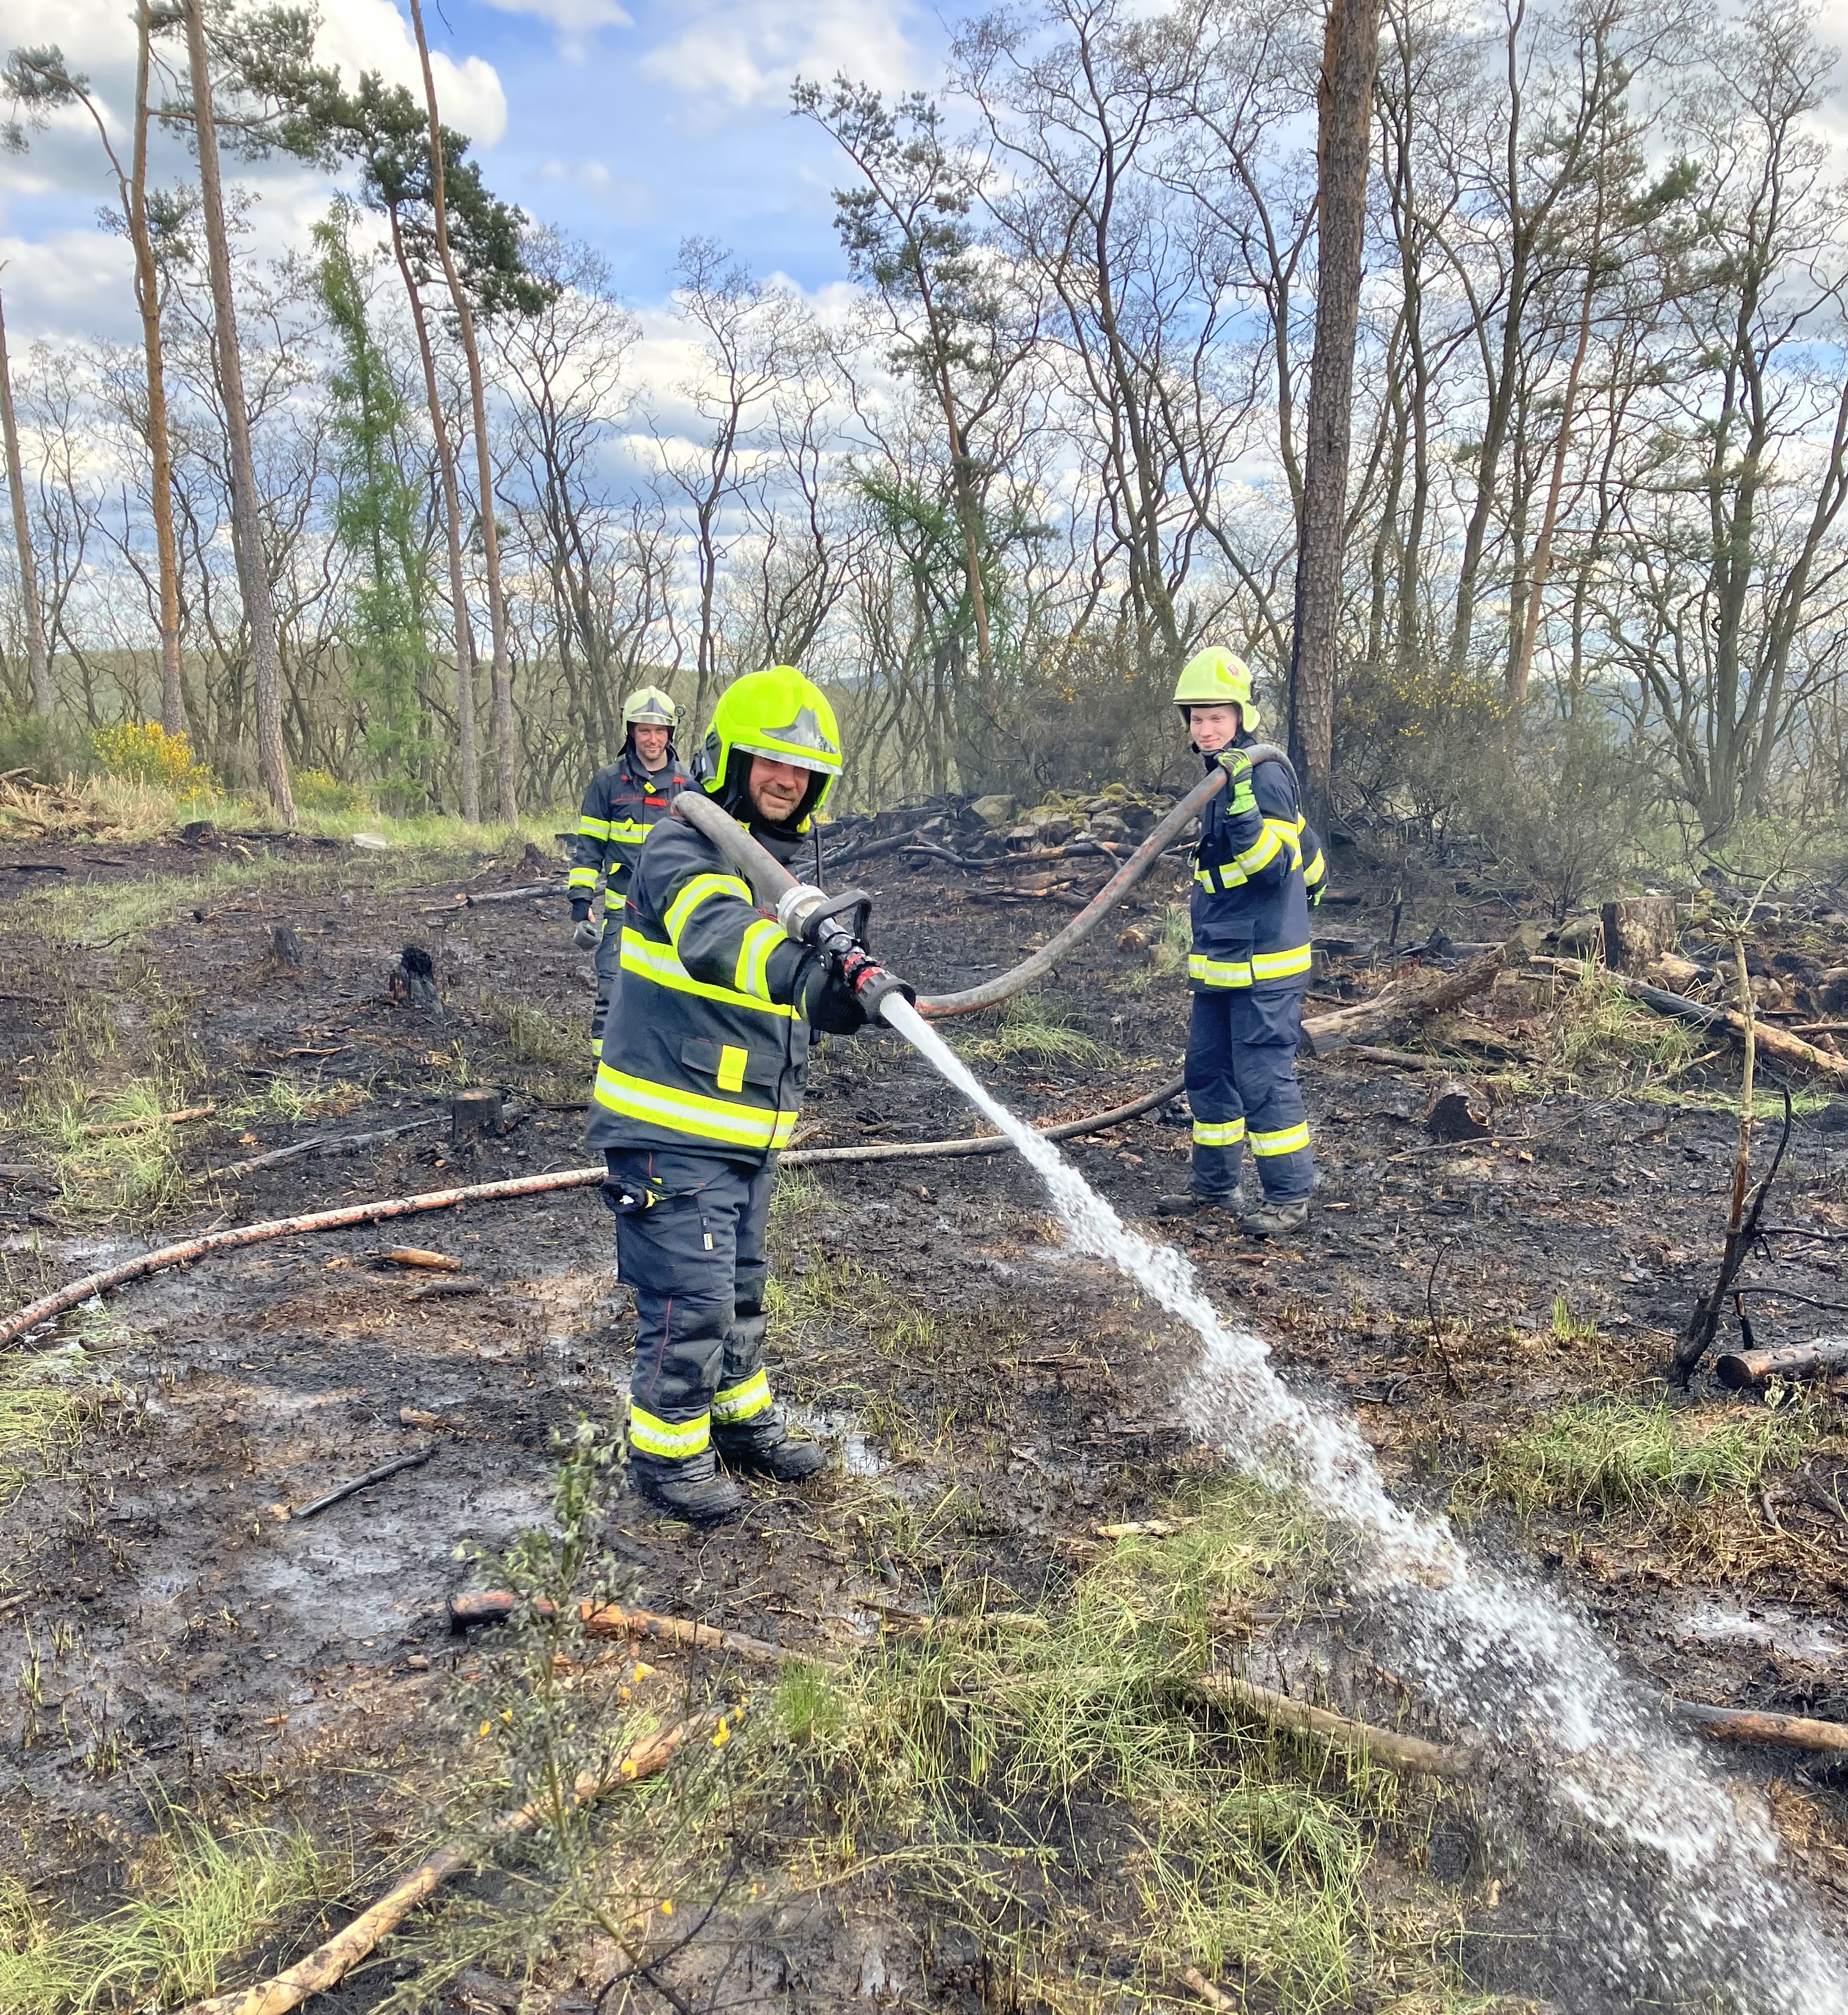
(700, 889)
(675, 1440)
(649, 961)
(743, 1401)
(581, 877)
(1286, 1142)
(627, 832)
(1218, 1132)
(1219, 972)
(1285, 830)
(1314, 869)
(593, 828)
(1263, 850)
(1280, 965)
(690, 1113)
(753, 974)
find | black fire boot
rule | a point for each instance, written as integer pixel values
(765, 1447)
(687, 1487)
(1184, 1203)
(1276, 1219)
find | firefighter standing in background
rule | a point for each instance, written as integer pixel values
(700, 1083)
(620, 806)
(1258, 871)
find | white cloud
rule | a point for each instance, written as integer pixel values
(575, 21)
(748, 51)
(371, 34)
(621, 197)
(71, 283)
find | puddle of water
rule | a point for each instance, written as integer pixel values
(1785, 1630)
(859, 1457)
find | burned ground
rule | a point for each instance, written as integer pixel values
(179, 1642)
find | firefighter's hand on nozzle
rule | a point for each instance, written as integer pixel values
(830, 1002)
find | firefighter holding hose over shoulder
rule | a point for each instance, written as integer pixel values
(700, 1083)
(1258, 870)
(621, 803)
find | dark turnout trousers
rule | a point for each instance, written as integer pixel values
(609, 974)
(690, 1234)
(1241, 1085)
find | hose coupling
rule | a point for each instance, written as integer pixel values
(800, 908)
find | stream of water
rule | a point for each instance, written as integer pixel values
(1675, 1898)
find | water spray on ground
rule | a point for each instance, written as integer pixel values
(1678, 1902)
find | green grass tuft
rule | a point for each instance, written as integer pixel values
(206, 1901)
(1031, 1031)
(1627, 1454)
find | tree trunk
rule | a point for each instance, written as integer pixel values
(246, 528)
(452, 530)
(147, 296)
(37, 656)
(505, 773)
(1350, 60)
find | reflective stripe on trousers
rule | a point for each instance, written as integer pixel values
(694, 1260)
(1241, 1084)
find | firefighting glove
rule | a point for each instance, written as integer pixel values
(1239, 797)
(830, 1000)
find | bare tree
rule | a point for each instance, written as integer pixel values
(506, 767)
(38, 658)
(246, 529)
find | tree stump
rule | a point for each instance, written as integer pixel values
(1457, 1111)
(474, 1115)
(1637, 930)
(414, 982)
(285, 947)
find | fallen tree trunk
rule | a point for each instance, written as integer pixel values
(1773, 1041)
(1414, 998)
(1739, 1369)
(1340, 1731)
(325, 1143)
(328, 1964)
(1786, 1731)
(612, 1619)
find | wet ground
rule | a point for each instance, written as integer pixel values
(173, 1621)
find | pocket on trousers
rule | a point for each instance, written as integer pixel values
(1271, 1014)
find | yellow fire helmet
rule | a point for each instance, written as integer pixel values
(781, 713)
(650, 707)
(1215, 677)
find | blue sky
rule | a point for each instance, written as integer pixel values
(629, 123)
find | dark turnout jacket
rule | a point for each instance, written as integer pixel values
(1253, 876)
(710, 1052)
(621, 804)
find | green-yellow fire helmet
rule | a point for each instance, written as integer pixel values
(1215, 677)
(780, 714)
(650, 707)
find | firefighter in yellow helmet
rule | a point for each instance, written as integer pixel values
(1258, 871)
(621, 803)
(700, 1083)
